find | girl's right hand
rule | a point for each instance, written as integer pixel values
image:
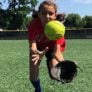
(38, 55)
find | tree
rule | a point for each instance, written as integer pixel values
(17, 12)
(73, 21)
(3, 19)
(87, 22)
(0, 5)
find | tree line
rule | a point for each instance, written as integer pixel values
(16, 16)
(76, 21)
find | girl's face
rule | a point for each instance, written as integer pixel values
(46, 14)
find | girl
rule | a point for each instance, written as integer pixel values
(39, 44)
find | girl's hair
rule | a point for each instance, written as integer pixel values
(49, 3)
(35, 14)
(61, 17)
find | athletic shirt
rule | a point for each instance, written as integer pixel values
(36, 32)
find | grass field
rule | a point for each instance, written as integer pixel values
(14, 71)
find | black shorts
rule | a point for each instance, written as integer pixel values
(49, 54)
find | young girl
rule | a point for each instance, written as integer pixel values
(39, 44)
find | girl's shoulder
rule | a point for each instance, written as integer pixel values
(35, 21)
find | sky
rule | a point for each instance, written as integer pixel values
(81, 7)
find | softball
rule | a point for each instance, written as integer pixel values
(54, 30)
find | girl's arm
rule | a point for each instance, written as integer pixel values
(36, 55)
(58, 53)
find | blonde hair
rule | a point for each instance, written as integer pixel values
(49, 3)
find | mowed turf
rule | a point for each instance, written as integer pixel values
(14, 67)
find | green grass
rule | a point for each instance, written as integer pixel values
(14, 68)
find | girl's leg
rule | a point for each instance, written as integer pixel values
(34, 76)
(51, 62)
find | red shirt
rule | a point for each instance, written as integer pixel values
(36, 32)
